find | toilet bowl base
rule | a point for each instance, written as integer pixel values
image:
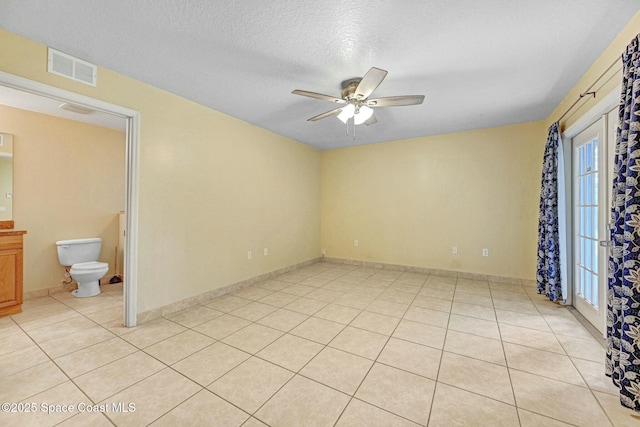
(87, 289)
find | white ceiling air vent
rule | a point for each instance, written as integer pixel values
(75, 108)
(72, 68)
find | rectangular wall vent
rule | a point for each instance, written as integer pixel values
(72, 68)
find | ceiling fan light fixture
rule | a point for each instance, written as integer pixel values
(347, 112)
(363, 115)
(355, 98)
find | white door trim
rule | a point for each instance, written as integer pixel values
(595, 113)
(602, 107)
(131, 172)
(593, 310)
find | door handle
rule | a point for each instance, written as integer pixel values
(606, 243)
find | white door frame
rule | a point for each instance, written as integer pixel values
(597, 112)
(593, 311)
(132, 136)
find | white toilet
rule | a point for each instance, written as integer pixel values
(82, 256)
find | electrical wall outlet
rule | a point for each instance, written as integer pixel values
(485, 252)
(266, 251)
(356, 243)
(324, 252)
(455, 250)
(249, 256)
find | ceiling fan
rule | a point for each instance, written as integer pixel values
(355, 99)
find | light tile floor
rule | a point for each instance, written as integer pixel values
(326, 345)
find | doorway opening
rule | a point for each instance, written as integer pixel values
(132, 118)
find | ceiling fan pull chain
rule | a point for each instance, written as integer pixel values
(354, 129)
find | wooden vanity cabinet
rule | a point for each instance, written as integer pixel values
(11, 247)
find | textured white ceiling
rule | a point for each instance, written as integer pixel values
(479, 63)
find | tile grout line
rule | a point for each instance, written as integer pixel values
(506, 361)
(294, 373)
(253, 415)
(572, 364)
(71, 380)
(324, 347)
(327, 345)
(444, 342)
(379, 353)
(131, 385)
(344, 326)
(583, 378)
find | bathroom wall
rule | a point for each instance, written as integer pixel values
(211, 187)
(68, 183)
(410, 202)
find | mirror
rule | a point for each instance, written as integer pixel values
(6, 176)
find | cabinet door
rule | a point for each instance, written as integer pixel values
(10, 293)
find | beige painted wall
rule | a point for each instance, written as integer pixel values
(211, 187)
(68, 183)
(409, 202)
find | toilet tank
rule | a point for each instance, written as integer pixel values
(78, 250)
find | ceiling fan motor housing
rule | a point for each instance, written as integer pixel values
(349, 88)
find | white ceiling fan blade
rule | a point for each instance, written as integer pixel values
(319, 96)
(323, 115)
(396, 101)
(370, 82)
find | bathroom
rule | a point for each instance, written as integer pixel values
(68, 183)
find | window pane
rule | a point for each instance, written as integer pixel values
(594, 222)
(595, 253)
(587, 255)
(588, 286)
(587, 221)
(588, 159)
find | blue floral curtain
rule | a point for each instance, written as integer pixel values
(548, 269)
(623, 295)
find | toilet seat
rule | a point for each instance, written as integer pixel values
(86, 267)
(88, 275)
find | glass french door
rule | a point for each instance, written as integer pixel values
(590, 209)
(591, 205)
